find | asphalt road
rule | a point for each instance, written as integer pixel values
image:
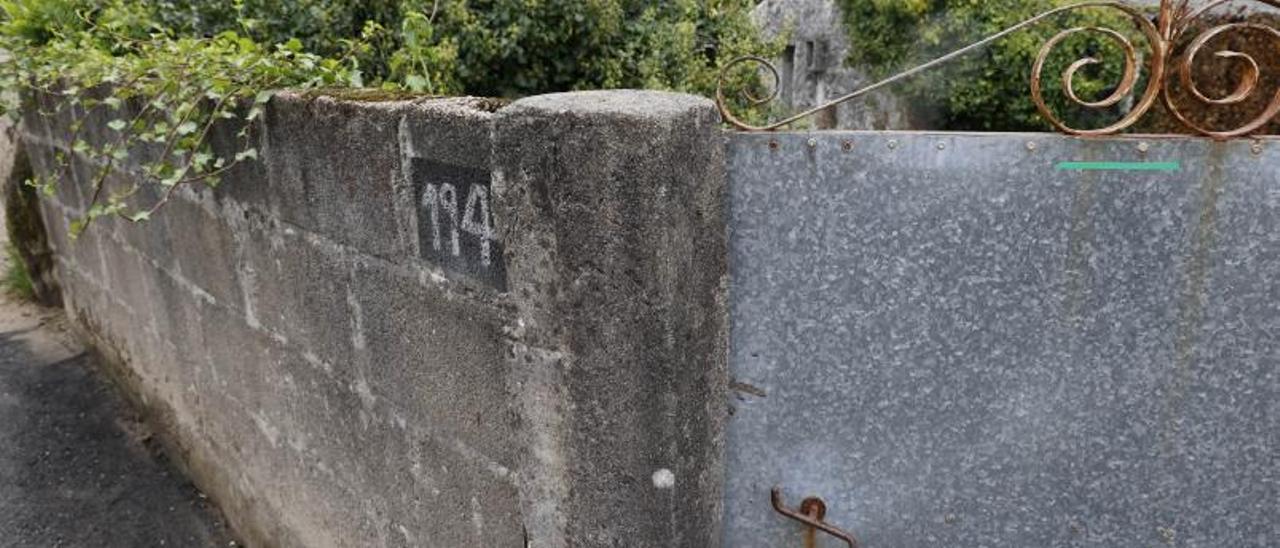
(76, 467)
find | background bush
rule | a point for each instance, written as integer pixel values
(162, 73)
(498, 48)
(989, 90)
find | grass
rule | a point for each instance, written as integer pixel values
(17, 282)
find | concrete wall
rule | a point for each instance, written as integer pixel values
(421, 323)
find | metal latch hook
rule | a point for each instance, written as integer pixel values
(812, 511)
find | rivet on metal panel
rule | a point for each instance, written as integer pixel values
(893, 143)
(1144, 147)
(1256, 148)
(942, 146)
(846, 146)
(1031, 146)
(812, 142)
(773, 144)
(811, 514)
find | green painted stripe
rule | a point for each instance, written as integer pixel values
(1119, 166)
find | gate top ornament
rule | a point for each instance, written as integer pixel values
(1175, 18)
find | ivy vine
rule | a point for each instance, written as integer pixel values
(157, 96)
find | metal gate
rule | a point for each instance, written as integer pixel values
(1004, 340)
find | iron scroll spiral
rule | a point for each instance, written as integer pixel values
(1248, 80)
(1175, 19)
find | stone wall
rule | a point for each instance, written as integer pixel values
(813, 69)
(424, 323)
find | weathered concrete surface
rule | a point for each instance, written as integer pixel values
(611, 213)
(418, 323)
(955, 343)
(318, 375)
(77, 468)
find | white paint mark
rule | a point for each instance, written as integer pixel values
(269, 430)
(362, 390)
(311, 358)
(664, 479)
(490, 466)
(431, 201)
(357, 320)
(449, 202)
(472, 217)
(476, 220)
(477, 520)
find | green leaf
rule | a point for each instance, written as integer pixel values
(117, 124)
(416, 83)
(140, 216)
(187, 128)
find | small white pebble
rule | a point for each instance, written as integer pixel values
(664, 479)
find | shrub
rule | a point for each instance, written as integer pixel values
(158, 94)
(163, 73)
(499, 48)
(989, 90)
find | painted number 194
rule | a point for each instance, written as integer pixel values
(448, 221)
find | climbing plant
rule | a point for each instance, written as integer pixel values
(140, 99)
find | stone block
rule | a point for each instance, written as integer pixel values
(203, 247)
(297, 286)
(437, 358)
(334, 166)
(246, 182)
(152, 238)
(452, 131)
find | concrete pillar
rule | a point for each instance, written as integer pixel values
(610, 205)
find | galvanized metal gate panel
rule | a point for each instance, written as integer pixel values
(953, 342)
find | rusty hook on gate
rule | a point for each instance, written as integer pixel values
(811, 512)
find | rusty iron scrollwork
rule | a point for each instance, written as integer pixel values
(1170, 28)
